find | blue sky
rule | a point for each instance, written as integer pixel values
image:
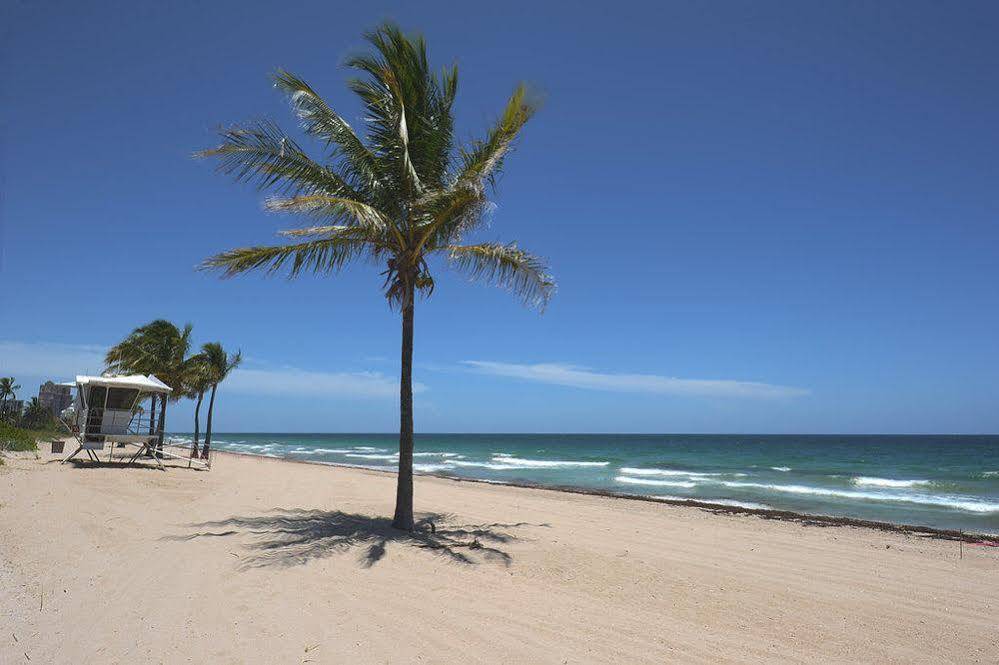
(763, 217)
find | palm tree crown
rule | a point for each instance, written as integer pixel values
(403, 194)
(159, 348)
(8, 388)
(218, 364)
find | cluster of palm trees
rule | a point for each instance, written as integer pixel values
(161, 348)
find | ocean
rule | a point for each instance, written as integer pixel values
(949, 482)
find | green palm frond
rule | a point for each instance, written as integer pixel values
(447, 215)
(506, 266)
(159, 348)
(348, 211)
(484, 159)
(197, 375)
(262, 153)
(218, 364)
(321, 121)
(324, 255)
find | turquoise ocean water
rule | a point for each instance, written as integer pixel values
(947, 482)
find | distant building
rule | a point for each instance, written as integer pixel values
(12, 410)
(54, 397)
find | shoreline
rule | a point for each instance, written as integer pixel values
(808, 519)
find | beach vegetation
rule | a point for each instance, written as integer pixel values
(16, 439)
(405, 195)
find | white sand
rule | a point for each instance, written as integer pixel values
(267, 561)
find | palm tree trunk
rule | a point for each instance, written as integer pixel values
(152, 415)
(159, 425)
(152, 419)
(197, 409)
(205, 449)
(404, 489)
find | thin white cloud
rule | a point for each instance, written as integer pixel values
(50, 359)
(300, 382)
(65, 361)
(582, 377)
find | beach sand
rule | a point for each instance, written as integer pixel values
(268, 561)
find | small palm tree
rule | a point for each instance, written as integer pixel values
(197, 382)
(8, 390)
(218, 365)
(402, 196)
(36, 416)
(159, 348)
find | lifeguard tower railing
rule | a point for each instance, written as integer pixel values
(103, 422)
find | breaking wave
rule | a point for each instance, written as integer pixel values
(658, 483)
(869, 481)
(965, 503)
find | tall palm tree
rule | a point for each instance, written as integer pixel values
(8, 390)
(404, 194)
(159, 348)
(197, 383)
(219, 365)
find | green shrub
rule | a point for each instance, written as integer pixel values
(12, 438)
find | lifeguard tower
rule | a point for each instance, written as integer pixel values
(107, 411)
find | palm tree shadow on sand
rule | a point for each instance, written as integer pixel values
(291, 537)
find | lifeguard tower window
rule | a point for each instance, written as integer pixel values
(95, 398)
(121, 398)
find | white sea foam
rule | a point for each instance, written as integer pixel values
(369, 449)
(542, 463)
(488, 465)
(781, 468)
(870, 481)
(990, 474)
(430, 468)
(739, 504)
(359, 466)
(956, 502)
(323, 451)
(658, 483)
(633, 471)
(373, 455)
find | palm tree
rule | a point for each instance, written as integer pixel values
(405, 194)
(8, 390)
(197, 382)
(158, 348)
(219, 366)
(36, 416)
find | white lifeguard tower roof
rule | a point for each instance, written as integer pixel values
(149, 384)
